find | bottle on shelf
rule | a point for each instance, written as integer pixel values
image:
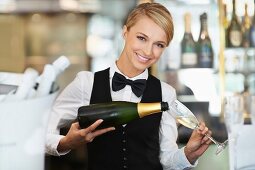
(234, 31)
(204, 45)
(246, 25)
(225, 21)
(117, 112)
(225, 17)
(188, 45)
(46, 81)
(252, 30)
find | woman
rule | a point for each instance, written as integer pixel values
(148, 143)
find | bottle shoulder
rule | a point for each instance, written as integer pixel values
(188, 40)
(204, 39)
(187, 36)
(234, 23)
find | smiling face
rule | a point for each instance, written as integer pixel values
(144, 43)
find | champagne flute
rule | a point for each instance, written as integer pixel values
(184, 116)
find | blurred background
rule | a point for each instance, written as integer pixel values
(203, 70)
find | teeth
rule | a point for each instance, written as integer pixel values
(143, 58)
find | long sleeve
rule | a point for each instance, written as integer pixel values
(171, 157)
(64, 110)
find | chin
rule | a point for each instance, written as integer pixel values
(142, 67)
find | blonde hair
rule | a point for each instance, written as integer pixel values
(157, 13)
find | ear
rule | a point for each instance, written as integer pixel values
(124, 32)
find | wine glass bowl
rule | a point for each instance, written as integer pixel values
(185, 117)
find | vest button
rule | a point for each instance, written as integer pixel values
(124, 158)
(124, 141)
(124, 149)
(125, 167)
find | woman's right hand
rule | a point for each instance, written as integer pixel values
(77, 136)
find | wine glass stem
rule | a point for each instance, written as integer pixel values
(213, 140)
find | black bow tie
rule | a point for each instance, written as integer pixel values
(119, 82)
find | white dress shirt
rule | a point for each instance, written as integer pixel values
(78, 93)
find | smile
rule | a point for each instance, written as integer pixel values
(142, 59)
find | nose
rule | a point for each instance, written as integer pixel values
(148, 49)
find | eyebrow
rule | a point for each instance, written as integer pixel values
(163, 42)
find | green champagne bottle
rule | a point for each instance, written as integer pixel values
(188, 45)
(204, 45)
(117, 112)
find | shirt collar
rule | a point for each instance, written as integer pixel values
(114, 68)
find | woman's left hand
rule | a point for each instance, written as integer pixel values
(198, 143)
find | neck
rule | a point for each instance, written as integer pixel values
(125, 67)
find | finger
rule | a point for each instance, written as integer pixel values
(88, 137)
(209, 133)
(208, 140)
(204, 131)
(95, 125)
(92, 135)
(76, 125)
(92, 127)
(206, 137)
(102, 131)
(200, 127)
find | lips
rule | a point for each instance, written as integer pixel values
(142, 58)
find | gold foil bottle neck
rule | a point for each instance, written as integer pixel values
(145, 109)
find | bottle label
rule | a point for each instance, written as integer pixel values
(205, 57)
(189, 58)
(235, 38)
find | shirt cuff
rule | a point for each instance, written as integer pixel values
(52, 142)
(184, 162)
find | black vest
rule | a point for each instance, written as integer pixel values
(133, 147)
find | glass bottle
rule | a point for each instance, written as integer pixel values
(188, 45)
(246, 25)
(225, 17)
(252, 30)
(117, 112)
(225, 21)
(204, 45)
(234, 31)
